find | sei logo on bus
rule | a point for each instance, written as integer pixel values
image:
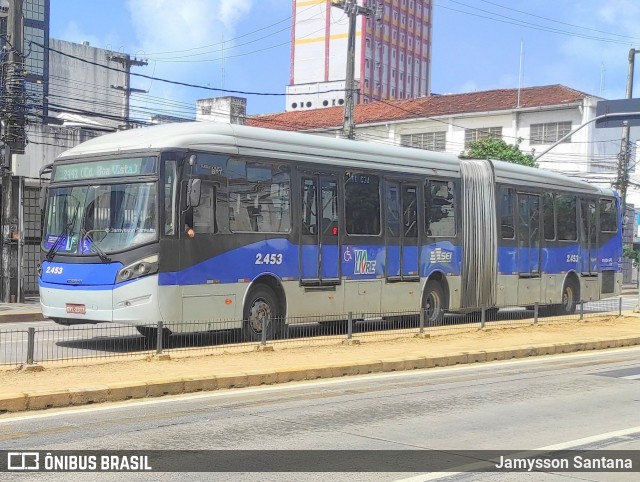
(53, 270)
(268, 258)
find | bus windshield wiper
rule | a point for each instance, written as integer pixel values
(52, 251)
(103, 256)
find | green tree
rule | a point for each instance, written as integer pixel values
(632, 254)
(491, 148)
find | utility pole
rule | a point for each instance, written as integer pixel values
(622, 181)
(126, 61)
(352, 9)
(13, 140)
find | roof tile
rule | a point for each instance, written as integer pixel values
(430, 106)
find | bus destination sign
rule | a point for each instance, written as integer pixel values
(104, 169)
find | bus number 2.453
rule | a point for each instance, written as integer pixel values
(573, 258)
(268, 259)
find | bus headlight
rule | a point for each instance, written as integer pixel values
(140, 268)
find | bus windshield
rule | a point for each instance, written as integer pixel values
(88, 220)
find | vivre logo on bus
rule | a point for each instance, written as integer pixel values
(362, 263)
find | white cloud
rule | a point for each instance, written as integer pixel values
(169, 25)
(179, 31)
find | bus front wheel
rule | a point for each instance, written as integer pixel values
(433, 303)
(261, 311)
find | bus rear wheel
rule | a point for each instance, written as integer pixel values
(433, 303)
(570, 300)
(262, 310)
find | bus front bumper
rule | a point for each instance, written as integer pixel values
(135, 302)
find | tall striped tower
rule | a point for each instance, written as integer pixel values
(393, 54)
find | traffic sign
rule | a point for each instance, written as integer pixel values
(616, 109)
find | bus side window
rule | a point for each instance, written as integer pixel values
(439, 212)
(362, 204)
(507, 222)
(567, 217)
(170, 195)
(548, 208)
(608, 216)
(204, 215)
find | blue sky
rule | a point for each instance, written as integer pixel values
(583, 44)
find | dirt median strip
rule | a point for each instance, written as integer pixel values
(39, 397)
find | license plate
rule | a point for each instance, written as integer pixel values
(76, 309)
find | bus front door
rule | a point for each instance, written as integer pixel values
(319, 239)
(402, 232)
(529, 282)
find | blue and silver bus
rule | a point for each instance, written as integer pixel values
(209, 222)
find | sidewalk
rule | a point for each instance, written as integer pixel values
(57, 385)
(16, 312)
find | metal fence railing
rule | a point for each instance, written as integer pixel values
(67, 343)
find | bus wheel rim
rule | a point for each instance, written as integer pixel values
(567, 298)
(259, 312)
(433, 306)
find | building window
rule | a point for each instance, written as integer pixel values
(34, 62)
(431, 141)
(472, 135)
(549, 132)
(34, 10)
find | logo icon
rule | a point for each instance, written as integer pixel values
(439, 255)
(362, 263)
(23, 461)
(347, 256)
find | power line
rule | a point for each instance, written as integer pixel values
(173, 82)
(529, 25)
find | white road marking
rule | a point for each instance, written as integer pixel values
(632, 377)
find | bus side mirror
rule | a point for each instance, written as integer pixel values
(194, 192)
(42, 200)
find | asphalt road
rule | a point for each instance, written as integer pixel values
(56, 342)
(585, 400)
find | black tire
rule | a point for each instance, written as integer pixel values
(570, 297)
(570, 300)
(151, 335)
(262, 303)
(434, 303)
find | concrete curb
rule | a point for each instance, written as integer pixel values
(19, 317)
(116, 392)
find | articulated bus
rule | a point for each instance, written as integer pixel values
(209, 222)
